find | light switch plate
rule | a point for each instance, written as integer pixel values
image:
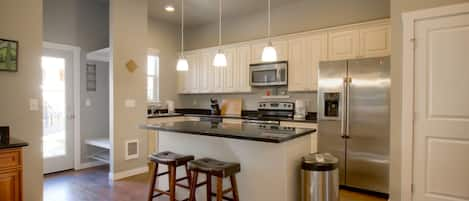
(130, 103)
(87, 102)
(33, 104)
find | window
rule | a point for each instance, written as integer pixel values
(153, 78)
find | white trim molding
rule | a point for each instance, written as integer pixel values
(128, 173)
(76, 95)
(408, 69)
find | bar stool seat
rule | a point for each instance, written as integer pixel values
(167, 157)
(219, 169)
(172, 160)
(215, 167)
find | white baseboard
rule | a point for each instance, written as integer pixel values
(128, 173)
(91, 164)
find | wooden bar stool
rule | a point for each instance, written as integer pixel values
(172, 160)
(220, 170)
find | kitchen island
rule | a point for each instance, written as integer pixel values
(270, 155)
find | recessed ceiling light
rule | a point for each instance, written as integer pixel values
(169, 8)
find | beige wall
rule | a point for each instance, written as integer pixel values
(295, 17)
(22, 21)
(128, 41)
(165, 38)
(397, 8)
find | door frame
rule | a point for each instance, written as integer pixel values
(76, 95)
(408, 69)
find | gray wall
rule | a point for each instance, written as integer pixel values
(83, 23)
(164, 37)
(22, 21)
(397, 8)
(295, 17)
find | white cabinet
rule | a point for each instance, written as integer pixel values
(343, 44)
(192, 78)
(314, 136)
(375, 41)
(241, 72)
(359, 42)
(305, 53)
(281, 46)
(229, 75)
(205, 70)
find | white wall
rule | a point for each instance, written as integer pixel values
(397, 8)
(129, 24)
(294, 17)
(22, 21)
(165, 38)
(83, 23)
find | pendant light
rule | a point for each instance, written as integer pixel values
(220, 58)
(269, 54)
(182, 64)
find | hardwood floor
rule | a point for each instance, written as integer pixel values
(93, 185)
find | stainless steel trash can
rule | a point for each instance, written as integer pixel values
(319, 177)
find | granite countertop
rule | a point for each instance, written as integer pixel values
(12, 143)
(247, 117)
(245, 131)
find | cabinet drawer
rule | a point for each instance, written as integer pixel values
(10, 158)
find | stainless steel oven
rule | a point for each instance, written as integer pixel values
(269, 74)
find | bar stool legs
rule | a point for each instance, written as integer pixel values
(220, 191)
(153, 175)
(234, 186)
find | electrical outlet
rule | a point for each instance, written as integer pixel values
(130, 103)
(33, 104)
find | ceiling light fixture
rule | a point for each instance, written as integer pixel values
(169, 8)
(182, 64)
(220, 58)
(269, 54)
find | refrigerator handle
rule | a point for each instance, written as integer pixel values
(347, 126)
(344, 109)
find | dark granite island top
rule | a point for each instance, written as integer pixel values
(246, 131)
(12, 143)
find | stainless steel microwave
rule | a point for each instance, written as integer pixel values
(269, 74)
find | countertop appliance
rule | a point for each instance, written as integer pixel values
(300, 110)
(215, 107)
(353, 116)
(269, 74)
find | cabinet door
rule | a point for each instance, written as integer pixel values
(192, 78)
(182, 77)
(216, 77)
(205, 71)
(375, 41)
(10, 186)
(229, 72)
(304, 57)
(343, 44)
(242, 68)
(281, 46)
(314, 136)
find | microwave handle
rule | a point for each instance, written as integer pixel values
(278, 74)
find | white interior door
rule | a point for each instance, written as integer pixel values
(58, 115)
(441, 135)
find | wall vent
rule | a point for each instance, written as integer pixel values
(131, 149)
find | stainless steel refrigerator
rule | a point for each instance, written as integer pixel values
(353, 115)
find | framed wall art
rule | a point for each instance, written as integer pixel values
(8, 55)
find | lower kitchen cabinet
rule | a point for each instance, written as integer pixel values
(10, 174)
(314, 136)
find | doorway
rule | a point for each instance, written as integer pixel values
(58, 117)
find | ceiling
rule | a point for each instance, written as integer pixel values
(199, 12)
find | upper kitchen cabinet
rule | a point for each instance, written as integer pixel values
(370, 40)
(281, 46)
(343, 44)
(229, 74)
(375, 41)
(188, 81)
(205, 70)
(241, 72)
(304, 55)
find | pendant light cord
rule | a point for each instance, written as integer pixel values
(220, 10)
(268, 20)
(182, 28)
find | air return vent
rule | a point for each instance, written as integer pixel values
(131, 149)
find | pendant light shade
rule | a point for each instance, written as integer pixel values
(220, 58)
(182, 64)
(269, 54)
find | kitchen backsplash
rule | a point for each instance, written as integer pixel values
(249, 99)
